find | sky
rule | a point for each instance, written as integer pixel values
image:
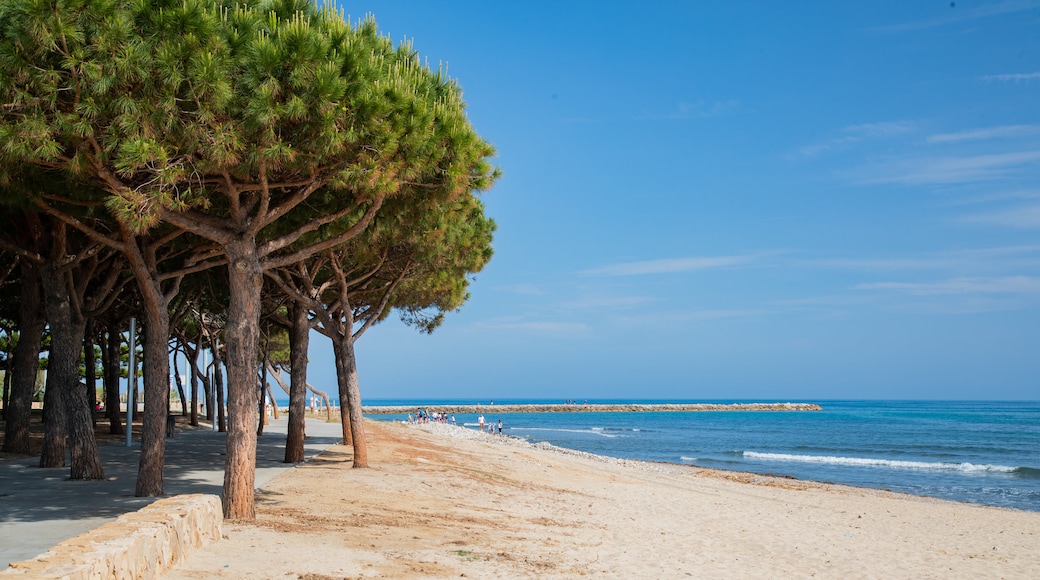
(737, 200)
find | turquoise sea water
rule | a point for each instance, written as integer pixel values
(983, 452)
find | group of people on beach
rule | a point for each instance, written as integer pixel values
(490, 426)
(422, 416)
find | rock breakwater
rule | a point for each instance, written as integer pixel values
(593, 408)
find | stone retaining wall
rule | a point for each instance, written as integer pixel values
(141, 544)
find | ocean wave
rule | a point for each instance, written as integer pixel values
(888, 463)
(688, 459)
(1030, 472)
(592, 431)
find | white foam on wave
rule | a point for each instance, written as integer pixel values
(688, 459)
(890, 463)
(594, 431)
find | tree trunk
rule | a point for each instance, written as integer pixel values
(67, 331)
(193, 360)
(218, 386)
(350, 398)
(156, 369)
(90, 372)
(299, 342)
(26, 363)
(180, 385)
(7, 375)
(55, 439)
(243, 338)
(261, 397)
(274, 403)
(110, 366)
(156, 395)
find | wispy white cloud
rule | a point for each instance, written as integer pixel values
(1012, 77)
(857, 133)
(955, 14)
(1004, 285)
(995, 197)
(668, 266)
(1002, 132)
(998, 259)
(950, 170)
(1026, 217)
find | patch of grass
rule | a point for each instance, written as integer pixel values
(467, 555)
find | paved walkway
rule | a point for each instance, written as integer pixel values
(40, 507)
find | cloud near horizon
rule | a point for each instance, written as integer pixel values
(1025, 217)
(858, 133)
(1012, 78)
(1001, 132)
(950, 170)
(668, 266)
(1004, 285)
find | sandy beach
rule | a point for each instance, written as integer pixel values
(442, 501)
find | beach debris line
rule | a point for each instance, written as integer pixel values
(595, 408)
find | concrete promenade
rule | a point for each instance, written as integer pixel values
(40, 507)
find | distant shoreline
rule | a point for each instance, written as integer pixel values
(590, 408)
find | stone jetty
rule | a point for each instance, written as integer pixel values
(593, 408)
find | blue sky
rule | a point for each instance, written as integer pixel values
(738, 200)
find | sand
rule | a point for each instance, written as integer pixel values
(441, 501)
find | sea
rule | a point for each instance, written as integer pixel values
(983, 452)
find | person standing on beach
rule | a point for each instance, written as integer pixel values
(500, 426)
(480, 422)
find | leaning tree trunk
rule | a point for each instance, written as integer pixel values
(350, 398)
(261, 398)
(180, 385)
(299, 341)
(67, 331)
(26, 364)
(110, 366)
(243, 338)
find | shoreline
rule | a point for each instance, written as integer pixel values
(745, 477)
(590, 408)
(439, 501)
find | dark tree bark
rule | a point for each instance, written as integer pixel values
(218, 386)
(55, 439)
(193, 361)
(156, 399)
(299, 342)
(26, 363)
(75, 422)
(90, 372)
(243, 339)
(7, 378)
(349, 389)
